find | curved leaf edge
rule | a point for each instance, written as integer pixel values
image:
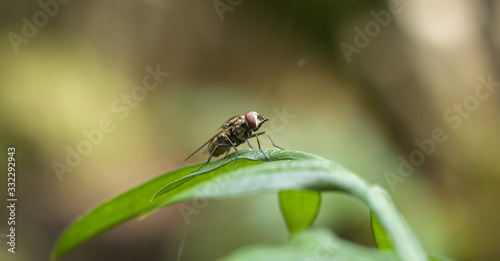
(374, 196)
(65, 241)
(273, 155)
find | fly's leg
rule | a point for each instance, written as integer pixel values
(257, 137)
(265, 132)
(235, 149)
(249, 144)
(258, 143)
(211, 154)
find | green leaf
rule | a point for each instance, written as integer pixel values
(288, 170)
(405, 243)
(273, 154)
(113, 212)
(136, 201)
(315, 245)
(382, 241)
(299, 208)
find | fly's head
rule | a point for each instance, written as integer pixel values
(254, 120)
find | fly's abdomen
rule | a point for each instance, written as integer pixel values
(221, 149)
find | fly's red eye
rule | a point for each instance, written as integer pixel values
(251, 120)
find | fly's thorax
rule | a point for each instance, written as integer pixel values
(240, 132)
(239, 126)
(234, 121)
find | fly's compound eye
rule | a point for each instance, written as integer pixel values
(252, 120)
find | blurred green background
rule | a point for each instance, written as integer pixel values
(66, 66)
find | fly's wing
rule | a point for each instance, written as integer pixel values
(205, 144)
(232, 121)
(229, 122)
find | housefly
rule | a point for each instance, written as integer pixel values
(235, 131)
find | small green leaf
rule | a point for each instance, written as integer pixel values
(299, 208)
(405, 243)
(382, 241)
(312, 244)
